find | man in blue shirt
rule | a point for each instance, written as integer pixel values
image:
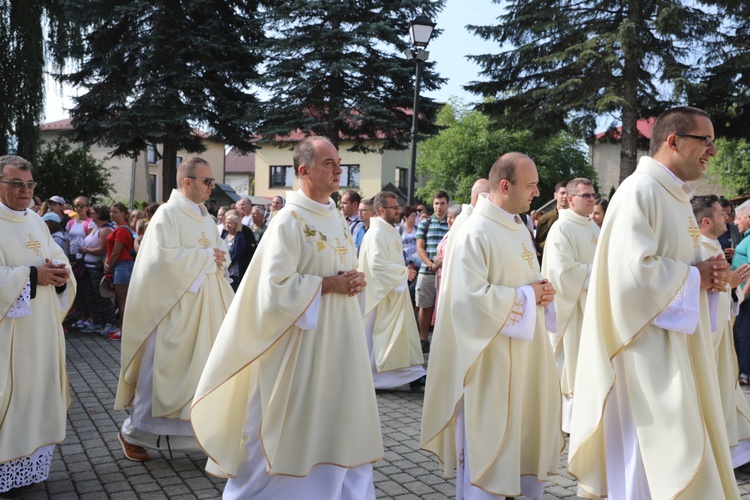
(742, 324)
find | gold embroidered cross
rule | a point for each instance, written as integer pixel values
(593, 239)
(528, 256)
(205, 242)
(340, 250)
(516, 312)
(33, 245)
(694, 233)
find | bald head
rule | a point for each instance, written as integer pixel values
(479, 187)
(513, 182)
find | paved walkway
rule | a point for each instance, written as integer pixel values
(90, 463)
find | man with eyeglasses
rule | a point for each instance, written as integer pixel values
(37, 287)
(177, 299)
(392, 335)
(646, 386)
(570, 247)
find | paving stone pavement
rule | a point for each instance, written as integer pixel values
(90, 463)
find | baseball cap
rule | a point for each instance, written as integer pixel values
(51, 216)
(58, 199)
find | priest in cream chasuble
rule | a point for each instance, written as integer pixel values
(711, 220)
(391, 328)
(177, 299)
(34, 388)
(492, 402)
(647, 419)
(568, 254)
(286, 405)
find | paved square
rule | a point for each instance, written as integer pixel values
(91, 465)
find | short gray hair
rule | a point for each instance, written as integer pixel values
(15, 162)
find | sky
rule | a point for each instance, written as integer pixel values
(449, 50)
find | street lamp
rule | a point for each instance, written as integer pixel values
(421, 32)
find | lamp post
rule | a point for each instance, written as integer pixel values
(421, 32)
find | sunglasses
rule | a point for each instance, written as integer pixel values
(208, 181)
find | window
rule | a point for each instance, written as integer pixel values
(153, 154)
(402, 179)
(153, 185)
(349, 176)
(281, 175)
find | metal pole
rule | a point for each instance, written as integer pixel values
(414, 131)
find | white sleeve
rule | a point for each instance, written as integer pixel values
(522, 320)
(683, 313)
(309, 320)
(22, 307)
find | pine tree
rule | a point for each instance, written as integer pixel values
(25, 28)
(156, 70)
(723, 89)
(570, 62)
(337, 68)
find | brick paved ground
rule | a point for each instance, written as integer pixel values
(90, 464)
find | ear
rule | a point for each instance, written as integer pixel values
(672, 142)
(504, 186)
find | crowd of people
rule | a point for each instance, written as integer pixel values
(617, 324)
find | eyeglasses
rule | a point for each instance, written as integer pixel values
(705, 138)
(80, 206)
(208, 181)
(588, 196)
(20, 184)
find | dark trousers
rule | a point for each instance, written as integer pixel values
(742, 337)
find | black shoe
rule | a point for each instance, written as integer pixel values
(425, 346)
(418, 384)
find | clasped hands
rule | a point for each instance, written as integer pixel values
(52, 274)
(349, 283)
(716, 273)
(544, 292)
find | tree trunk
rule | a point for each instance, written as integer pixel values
(632, 60)
(168, 168)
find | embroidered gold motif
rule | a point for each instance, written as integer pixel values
(340, 250)
(694, 233)
(33, 245)
(205, 242)
(528, 257)
(593, 239)
(516, 313)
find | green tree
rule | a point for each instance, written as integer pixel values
(25, 28)
(337, 69)
(67, 172)
(731, 166)
(723, 89)
(588, 59)
(157, 69)
(469, 143)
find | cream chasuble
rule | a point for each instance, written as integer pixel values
(733, 401)
(314, 386)
(34, 389)
(659, 386)
(177, 290)
(508, 387)
(568, 254)
(395, 337)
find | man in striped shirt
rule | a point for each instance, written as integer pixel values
(429, 234)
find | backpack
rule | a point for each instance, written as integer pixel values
(85, 225)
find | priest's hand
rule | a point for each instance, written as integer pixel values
(739, 275)
(51, 274)
(348, 283)
(220, 257)
(714, 273)
(412, 274)
(544, 292)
